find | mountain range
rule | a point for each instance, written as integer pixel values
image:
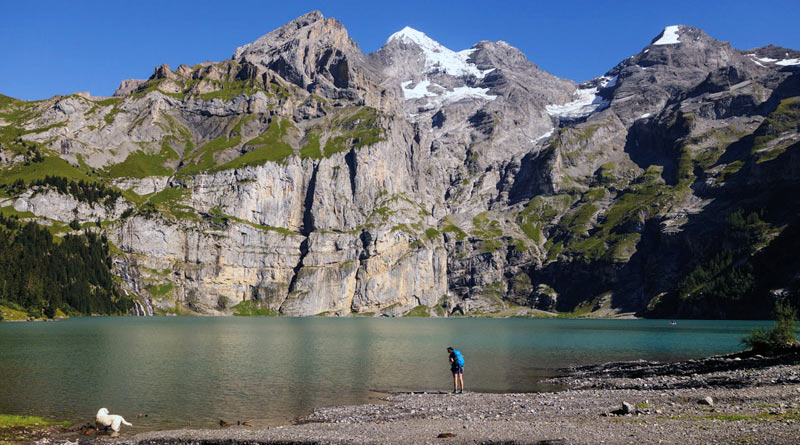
(304, 177)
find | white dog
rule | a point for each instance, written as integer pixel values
(105, 420)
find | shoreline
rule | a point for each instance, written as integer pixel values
(737, 398)
(531, 314)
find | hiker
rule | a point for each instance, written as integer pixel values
(457, 368)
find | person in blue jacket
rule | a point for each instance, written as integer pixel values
(457, 368)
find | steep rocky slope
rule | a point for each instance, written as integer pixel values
(304, 177)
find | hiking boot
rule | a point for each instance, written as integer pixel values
(460, 391)
(455, 392)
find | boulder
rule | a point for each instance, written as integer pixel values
(707, 400)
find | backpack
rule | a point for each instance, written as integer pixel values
(459, 358)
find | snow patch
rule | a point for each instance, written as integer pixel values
(784, 62)
(419, 90)
(669, 36)
(466, 92)
(438, 57)
(586, 102)
(544, 136)
(644, 116)
(758, 63)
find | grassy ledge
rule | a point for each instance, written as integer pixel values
(28, 429)
(12, 421)
(250, 308)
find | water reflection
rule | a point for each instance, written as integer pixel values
(195, 371)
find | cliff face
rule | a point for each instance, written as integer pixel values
(303, 177)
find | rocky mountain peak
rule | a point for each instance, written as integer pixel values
(682, 45)
(128, 86)
(683, 36)
(501, 55)
(163, 71)
(677, 59)
(300, 28)
(311, 52)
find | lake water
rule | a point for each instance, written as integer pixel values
(193, 371)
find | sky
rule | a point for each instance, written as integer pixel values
(61, 47)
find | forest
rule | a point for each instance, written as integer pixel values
(49, 276)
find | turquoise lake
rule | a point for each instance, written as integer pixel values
(193, 371)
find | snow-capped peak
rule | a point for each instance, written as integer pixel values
(410, 34)
(438, 57)
(669, 36)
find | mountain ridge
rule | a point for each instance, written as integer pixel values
(304, 177)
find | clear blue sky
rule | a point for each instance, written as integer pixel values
(60, 47)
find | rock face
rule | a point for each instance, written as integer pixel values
(304, 177)
(128, 86)
(315, 54)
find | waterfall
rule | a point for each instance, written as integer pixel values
(141, 308)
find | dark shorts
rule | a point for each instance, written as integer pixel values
(459, 370)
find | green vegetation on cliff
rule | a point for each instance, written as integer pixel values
(582, 228)
(449, 227)
(203, 159)
(737, 276)
(419, 311)
(49, 166)
(250, 308)
(268, 147)
(229, 90)
(199, 85)
(170, 203)
(357, 128)
(769, 140)
(141, 164)
(724, 276)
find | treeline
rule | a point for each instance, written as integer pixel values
(44, 275)
(84, 191)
